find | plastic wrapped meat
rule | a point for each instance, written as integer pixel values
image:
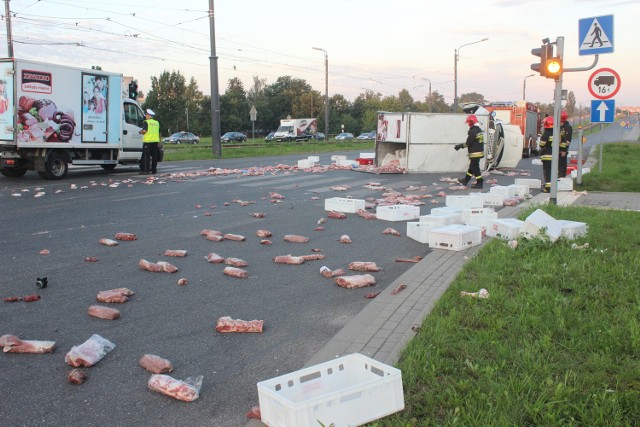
(76, 376)
(398, 289)
(366, 215)
(167, 267)
(235, 272)
(108, 242)
(236, 262)
(345, 239)
(356, 281)
(336, 215)
(263, 233)
(292, 238)
(363, 266)
(12, 344)
(150, 266)
(214, 258)
(313, 257)
(102, 312)
(234, 237)
(155, 364)
(288, 259)
(208, 233)
(118, 295)
(186, 390)
(254, 412)
(414, 259)
(126, 236)
(391, 231)
(227, 324)
(175, 252)
(89, 352)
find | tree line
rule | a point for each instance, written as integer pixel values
(181, 106)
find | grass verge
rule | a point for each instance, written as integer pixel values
(620, 163)
(556, 344)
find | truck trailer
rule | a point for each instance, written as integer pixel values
(53, 116)
(296, 130)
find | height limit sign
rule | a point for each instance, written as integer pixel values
(604, 83)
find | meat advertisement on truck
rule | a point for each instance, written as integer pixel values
(64, 115)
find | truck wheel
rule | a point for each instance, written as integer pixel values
(108, 167)
(13, 173)
(526, 151)
(55, 167)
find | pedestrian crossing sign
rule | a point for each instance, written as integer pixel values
(595, 35)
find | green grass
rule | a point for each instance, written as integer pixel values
(619, 169)
(203, 151)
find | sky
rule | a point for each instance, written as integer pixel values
(383, 46)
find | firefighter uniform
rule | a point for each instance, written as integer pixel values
(475, 148)
(546, 144)
(566, 132)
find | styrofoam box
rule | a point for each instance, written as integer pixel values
(506, 228)
(314, 159)
(532, 183)
(367, 155)
(471, 213)
(506, 191)
(455, 237)
(573, 229)
(490, 199)
(540, 221)
(345, 162)
(446, 209)
(398, 212)
(341, 204)
(337, 157)
(464, 202)
(520, 190)
(419, 231)
(305, 163)
(347, 391)
(442, 218)
(574, 173)
(565, 184)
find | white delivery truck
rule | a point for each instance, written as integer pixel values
(52, 116)
(423, 142)
(296, 130)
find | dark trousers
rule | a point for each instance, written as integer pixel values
(546, 170)
(562, 164)
(474, 170)
(150, 157)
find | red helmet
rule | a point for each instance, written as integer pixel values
(472, 120)
(564, 116)
(548, 122)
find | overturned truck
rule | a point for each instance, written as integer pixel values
(423, 142)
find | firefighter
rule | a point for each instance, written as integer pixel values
(546, 142)
(566, 132)
(475, 147)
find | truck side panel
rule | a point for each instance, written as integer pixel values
(7, 102)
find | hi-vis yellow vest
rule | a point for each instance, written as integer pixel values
(153, 131)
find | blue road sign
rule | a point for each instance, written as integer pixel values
(603, 111)
(595, 35)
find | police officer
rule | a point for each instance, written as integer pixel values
(151, 138)
(475, 147)
(566, 132)
(546, 144)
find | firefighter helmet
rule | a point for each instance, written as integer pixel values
(548, 122)
(471, 119)
(564, 116)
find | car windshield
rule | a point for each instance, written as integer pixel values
(228, 134)
(177, 135)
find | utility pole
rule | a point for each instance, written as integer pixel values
(216, 147)
(7, 16)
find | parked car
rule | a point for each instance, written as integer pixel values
(233, 137)
(269, 137)
(367, 135)
(319, 136)
(344, 136)
(182, 137)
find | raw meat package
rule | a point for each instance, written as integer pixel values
(186, 390)
(102, 312)
(227, 324)
(12, 344)
(118, 295)
(356, 281)
(89, 352)
(155, 364)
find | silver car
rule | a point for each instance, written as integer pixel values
(182, 137)
(344, 136)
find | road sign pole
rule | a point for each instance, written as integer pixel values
(601, 144)
(580, 148)
(555, 147)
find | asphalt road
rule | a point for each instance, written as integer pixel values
(302, 310)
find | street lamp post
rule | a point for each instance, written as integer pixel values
(326, 91)
(524, 86)
(430, 102)
(455, 72)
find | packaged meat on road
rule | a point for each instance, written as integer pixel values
(155, 364)
(186, 390)
(227, 324)
(89, 352)
(12, 344)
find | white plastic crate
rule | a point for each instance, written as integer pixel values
(464, 202)
(506, 228)
(367, 155)
(574, 173)
(305, 163)
(446, 209)
(455, 237)
(314, 159)
(347, 391)
(442, 218)
(520, 190)
(532, 183)
(573, 229)
(541, 222)
(468, 215)
(346, 162)
(565, 184)
(490, 199)
(398, 212)
(341, 204)
(506, 191)
(419, 231)
(337, 157)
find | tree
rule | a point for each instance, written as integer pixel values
(571, 104)
(193, 98)
(406, 100)
(471, 97)
(167, 98)
(284, 99)
(234, 108)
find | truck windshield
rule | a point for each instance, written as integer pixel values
(285, 129)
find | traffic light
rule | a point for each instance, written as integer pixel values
(549, 66)
(133, 90)
(553, 68)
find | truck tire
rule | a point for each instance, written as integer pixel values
(55, 167)
(108, 167)
(526, 151)
(13, 173)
